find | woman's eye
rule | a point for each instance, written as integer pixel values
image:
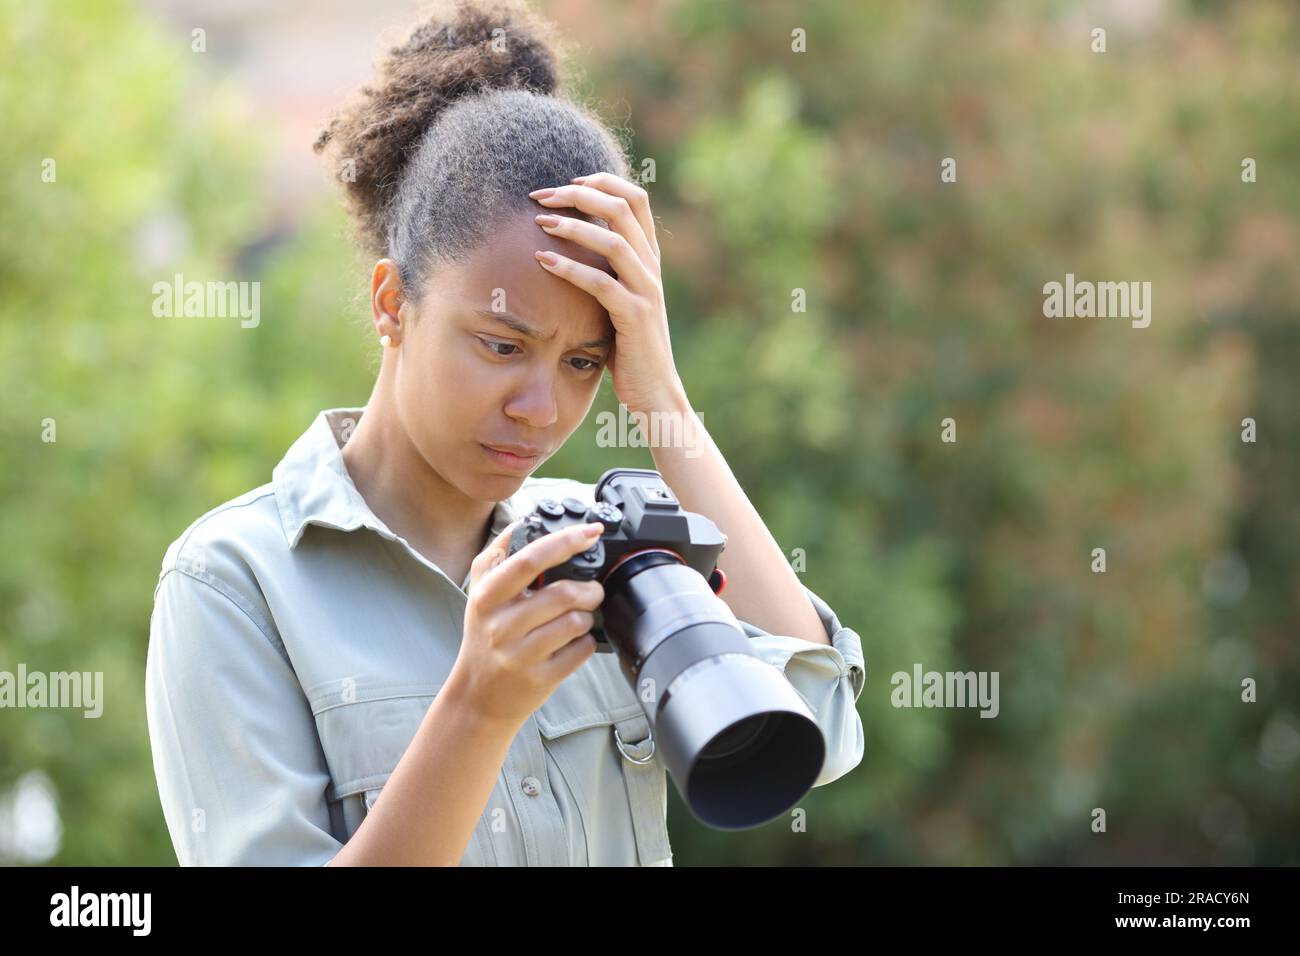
(493, 346)
(507, 349)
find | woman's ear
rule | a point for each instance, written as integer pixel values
(386, 299)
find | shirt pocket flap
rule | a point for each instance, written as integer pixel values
(628, 752)
(365, 729)
(561, 721)
(596, 694)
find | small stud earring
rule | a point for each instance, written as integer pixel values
(385, 340)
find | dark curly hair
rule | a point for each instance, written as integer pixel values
(465, 119)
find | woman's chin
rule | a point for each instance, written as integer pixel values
(498, 487)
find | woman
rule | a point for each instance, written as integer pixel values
(344, 667)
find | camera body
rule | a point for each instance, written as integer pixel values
(641, 516)
(738, 740)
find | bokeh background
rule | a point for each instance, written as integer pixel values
(774, 171)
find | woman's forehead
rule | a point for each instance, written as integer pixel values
(503, 276)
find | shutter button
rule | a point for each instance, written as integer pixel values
(532, 786)
(550, 507)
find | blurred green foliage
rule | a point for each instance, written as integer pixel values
(775, 171)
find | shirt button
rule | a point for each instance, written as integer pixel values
(531, 786)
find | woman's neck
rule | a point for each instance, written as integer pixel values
(408, 495)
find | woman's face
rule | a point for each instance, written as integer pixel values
(501, 353)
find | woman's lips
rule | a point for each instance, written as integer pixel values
(514, 462)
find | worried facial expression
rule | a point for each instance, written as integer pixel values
(501, 354)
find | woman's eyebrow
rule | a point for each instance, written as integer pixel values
(523, 328)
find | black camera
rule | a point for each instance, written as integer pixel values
(738, 740)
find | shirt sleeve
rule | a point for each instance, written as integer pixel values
(829, 677)
(241, 774)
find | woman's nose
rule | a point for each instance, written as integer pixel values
(535, 404)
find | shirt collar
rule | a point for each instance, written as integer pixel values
(312, 484)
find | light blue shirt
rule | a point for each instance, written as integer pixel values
(296, 644)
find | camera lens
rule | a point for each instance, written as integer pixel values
(735, 739)
(739, 742)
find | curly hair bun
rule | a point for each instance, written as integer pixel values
(471, 47)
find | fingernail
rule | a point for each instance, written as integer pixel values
(592, 530)
(578, 179)
(545, 220)
(546, 257)
(542, 193)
